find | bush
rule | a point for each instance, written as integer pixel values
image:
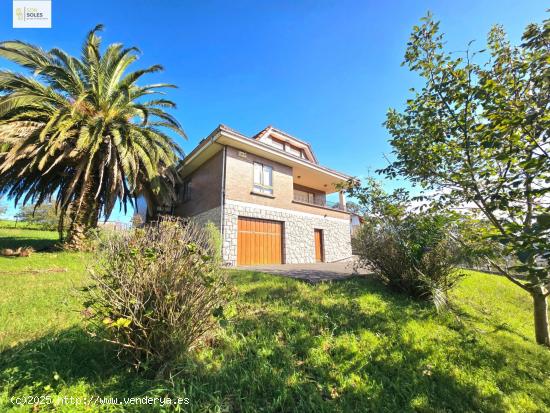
(417, 254)
(157, 291)
(137, 221)
(417, 250)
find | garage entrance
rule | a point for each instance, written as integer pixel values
(259, 241)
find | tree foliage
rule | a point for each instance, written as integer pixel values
(83, 131)
(476, 135)
(44, 215)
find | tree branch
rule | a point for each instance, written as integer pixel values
(507, 275)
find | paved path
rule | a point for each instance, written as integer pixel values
(310, 272)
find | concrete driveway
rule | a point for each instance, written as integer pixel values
(323, 271)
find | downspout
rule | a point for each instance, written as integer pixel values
(222, 198)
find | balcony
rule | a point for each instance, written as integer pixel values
(318, 200)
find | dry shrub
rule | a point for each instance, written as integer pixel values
(157, 291)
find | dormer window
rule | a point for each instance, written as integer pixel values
(287, 147)
(293, 150)
(263, 179)
(286, 143)
(278, 144)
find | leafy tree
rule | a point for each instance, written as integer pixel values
(476, 134)
(374, 201)
(43, 215)
(354, 208)
(83, 131)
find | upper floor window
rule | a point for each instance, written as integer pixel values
(278, 144)
(288, 147)
(308, 197)
(263, 178)
(294, 150)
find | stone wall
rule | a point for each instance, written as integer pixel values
(298, 237)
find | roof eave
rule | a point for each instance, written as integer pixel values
(268, 149)
(225, 131)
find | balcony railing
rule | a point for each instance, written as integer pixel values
(317, 201)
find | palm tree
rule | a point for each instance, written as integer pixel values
(81, 131)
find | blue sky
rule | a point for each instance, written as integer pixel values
(323, 71)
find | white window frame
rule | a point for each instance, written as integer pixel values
(260, 185)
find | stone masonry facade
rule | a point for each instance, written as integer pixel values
(298, 232)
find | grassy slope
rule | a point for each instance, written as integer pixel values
(346, 346)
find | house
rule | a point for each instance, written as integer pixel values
(267, 195)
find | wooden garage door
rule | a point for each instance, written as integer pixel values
(259, 241)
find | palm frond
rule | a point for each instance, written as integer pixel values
(80, 130)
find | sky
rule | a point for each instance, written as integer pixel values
(323, 71)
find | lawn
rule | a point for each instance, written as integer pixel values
(347, 346)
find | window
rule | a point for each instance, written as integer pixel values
(304, 196)
(184, 193)
(263, 179)
(293, 150)
(278, 144)
(308, 197)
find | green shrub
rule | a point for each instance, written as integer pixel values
(216, 240)
(157, 291)
(417, 254)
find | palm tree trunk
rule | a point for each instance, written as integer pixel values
(82, 219)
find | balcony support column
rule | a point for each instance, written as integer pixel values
(342, 201)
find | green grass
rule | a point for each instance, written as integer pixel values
(349, 346)
(13, 224)
(21, 234)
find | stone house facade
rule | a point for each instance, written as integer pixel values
(267, 195)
